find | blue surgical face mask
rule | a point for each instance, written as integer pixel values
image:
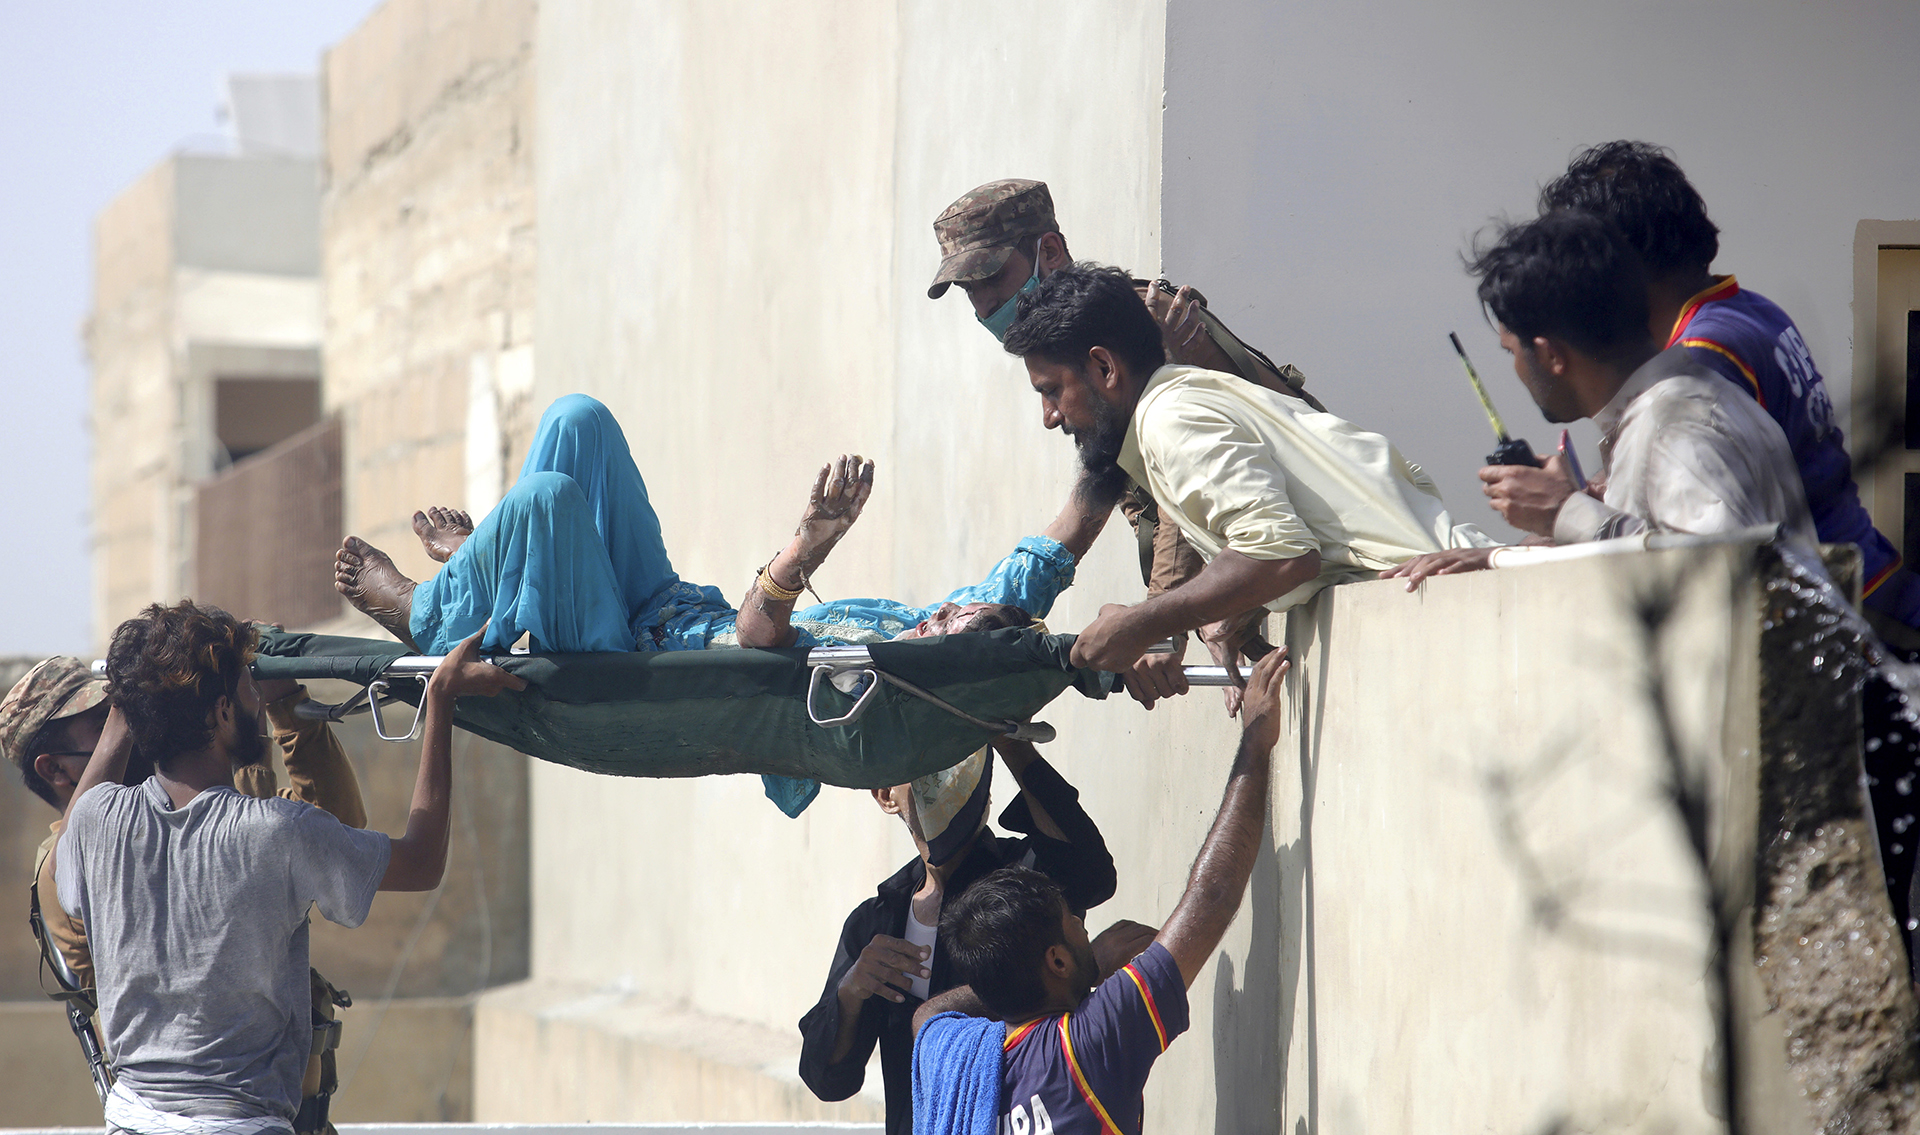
(1002, 317)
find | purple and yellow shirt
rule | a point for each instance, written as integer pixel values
(1746, 339)
(1084, 1073)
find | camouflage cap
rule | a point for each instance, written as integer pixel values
(59, 687)
(978, 232)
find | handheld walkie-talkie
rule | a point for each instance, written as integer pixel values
(1506, 450)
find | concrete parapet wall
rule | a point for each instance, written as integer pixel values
(1481, 912)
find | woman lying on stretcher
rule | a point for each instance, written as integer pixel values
(573, 558)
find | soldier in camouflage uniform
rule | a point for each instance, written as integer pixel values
(998, 241)
(50, 722)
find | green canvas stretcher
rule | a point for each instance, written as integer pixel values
(732, 710)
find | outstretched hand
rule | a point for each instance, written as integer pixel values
(464, 673)
(839, 494)
(1261, 718)
(1453, 561)
(1226, 640)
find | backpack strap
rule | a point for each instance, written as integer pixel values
(1253, 364)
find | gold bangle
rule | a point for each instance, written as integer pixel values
(765, 582)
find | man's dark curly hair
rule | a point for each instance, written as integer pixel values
(1082, 307)
(1568, 276)
(169, 666)
(997, 934)
(1639, 187)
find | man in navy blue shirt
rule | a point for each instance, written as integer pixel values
(1077, 1033)
(1746, 339)
(1741, 336)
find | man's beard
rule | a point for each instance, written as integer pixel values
(249, 744)
(1100, 445)
(1086, 971)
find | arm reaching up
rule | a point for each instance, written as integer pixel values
(1221, 870)
(1086, 512)
(839, 495)
(419, 857)
(108, 764)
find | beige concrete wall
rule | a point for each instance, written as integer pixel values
(206, 261)
(47, 1080)
(1480, 913)
(427, 266)
(736, 240)
(134, 409)
(428, 252)
(634, 1058)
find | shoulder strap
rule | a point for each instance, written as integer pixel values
(79, 1001)
(70, 987)
(1250, 360)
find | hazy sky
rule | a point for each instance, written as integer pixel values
(93, 94)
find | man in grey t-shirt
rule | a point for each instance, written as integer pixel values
(195, 897)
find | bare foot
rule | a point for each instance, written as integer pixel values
(442, 531)
(368, 579)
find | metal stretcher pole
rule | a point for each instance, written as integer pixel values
(857, 658)
(420, 666)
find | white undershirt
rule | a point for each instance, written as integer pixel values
(921, 934)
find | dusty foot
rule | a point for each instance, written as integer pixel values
(368, 579)
(442, 531)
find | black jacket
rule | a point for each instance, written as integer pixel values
(1081, 866)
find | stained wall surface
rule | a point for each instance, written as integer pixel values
(206, 266)
(133, 405)
(428, 222)
(427, 239)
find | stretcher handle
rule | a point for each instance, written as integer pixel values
(1255, 650)
(859, 706)
(376, 695)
